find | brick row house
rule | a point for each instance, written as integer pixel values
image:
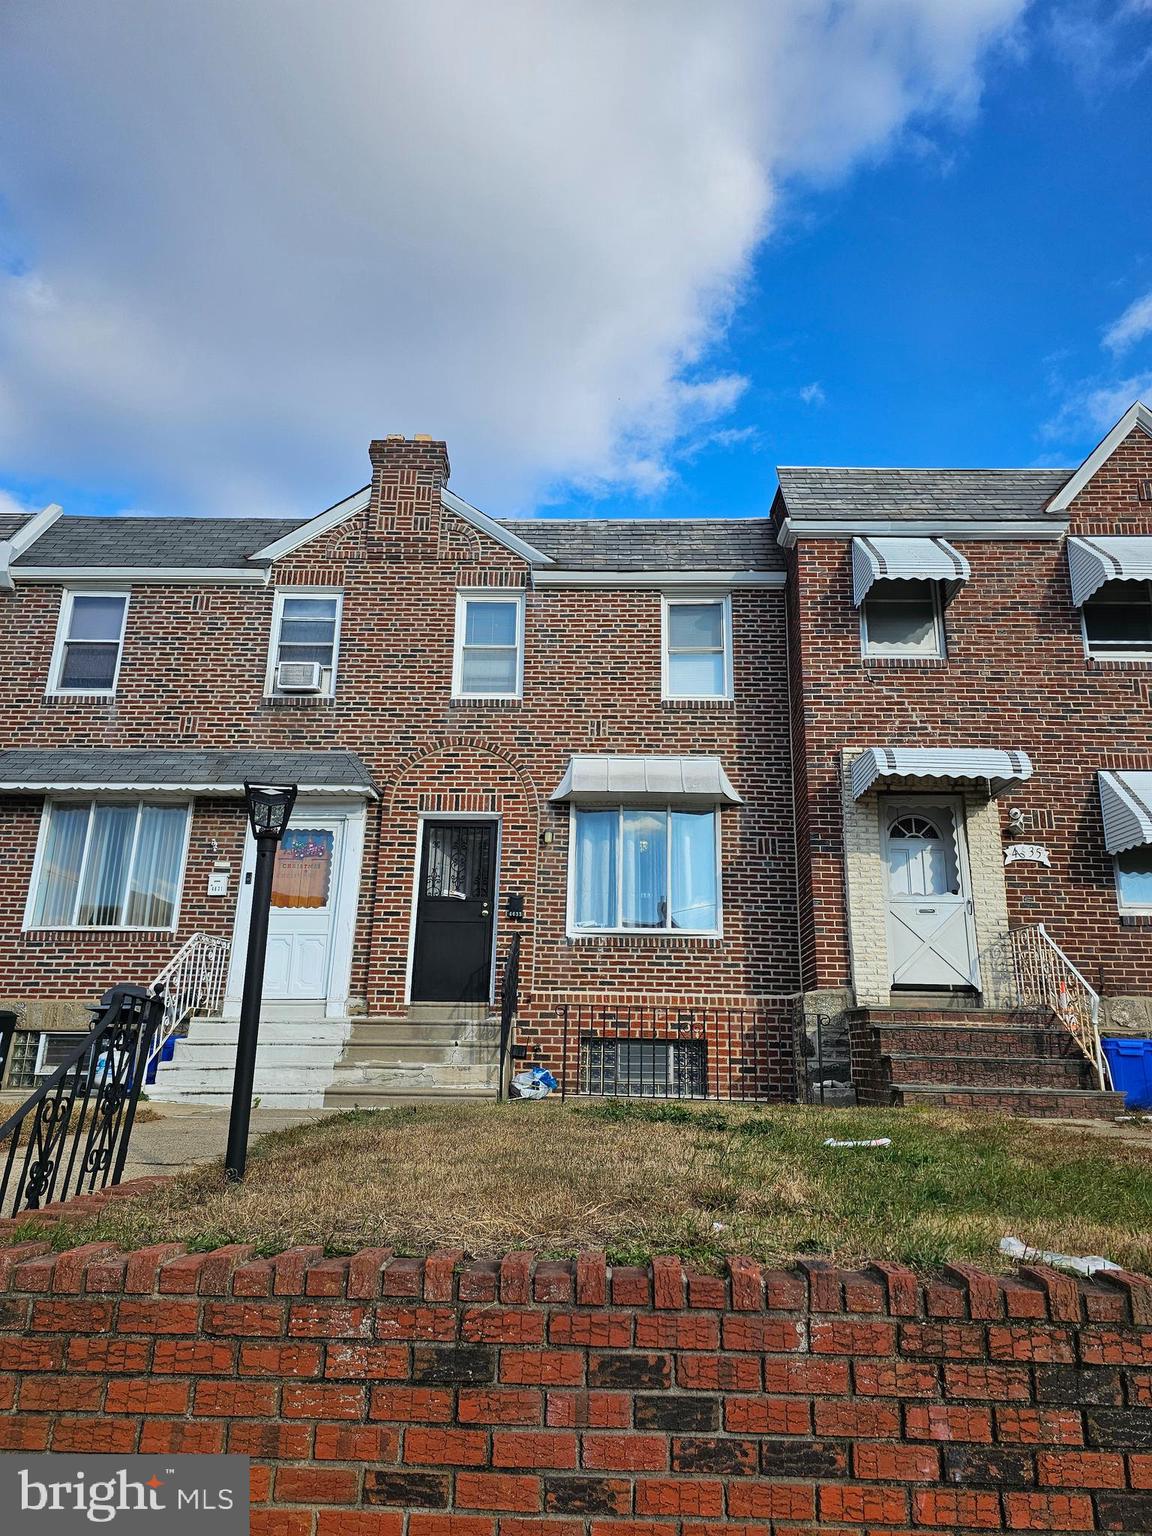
(771, 807)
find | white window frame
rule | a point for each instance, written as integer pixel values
(41, 1068)
(1127, 908)
(694, 599)
(1110, 652)
(468, 595)
(91, 800)
(270, 690)
(64, 625)
(576, 932)
(940, 649)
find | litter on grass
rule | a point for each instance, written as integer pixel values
(879, 1141)
(1089, 1264)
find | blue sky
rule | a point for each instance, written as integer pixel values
(877, 231)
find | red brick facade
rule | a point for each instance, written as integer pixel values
(1016, 676)
(193, 676)
(385, 1396)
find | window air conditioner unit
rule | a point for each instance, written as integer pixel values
(299, 677)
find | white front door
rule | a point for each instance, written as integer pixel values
(305, 888)
(931, 935)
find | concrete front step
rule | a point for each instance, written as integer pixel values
(1035, 1103)
(965, 1040)
(989, 1071)
(365, 1098)
(1017, 1018)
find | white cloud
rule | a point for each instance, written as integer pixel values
(14, 506)
(1096, 404)
(253, 236)
(813, 394)
(1132, 326)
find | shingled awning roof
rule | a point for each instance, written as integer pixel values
(913, 495)
(193, 772)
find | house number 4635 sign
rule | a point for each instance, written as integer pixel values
(1027, 853)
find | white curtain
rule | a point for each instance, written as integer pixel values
(595, 901)
(644, 869)
(106, 866)
(156, 867)
(55, 904)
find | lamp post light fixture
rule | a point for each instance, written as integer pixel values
(269, 807)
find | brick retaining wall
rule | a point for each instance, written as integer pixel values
(382, 1396)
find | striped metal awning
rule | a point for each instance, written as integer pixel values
(906, 560)
(610, 779)
(1093, 562)
(979, 765)
(1126, 803)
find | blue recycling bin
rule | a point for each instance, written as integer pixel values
(1131, 1064)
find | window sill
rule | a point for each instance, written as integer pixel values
(622, 938)
(298, 701)
(1119, 663)
(95, 928)
(903, 663)
(68, 695)
(697, 703)
(1136, 919)
(497, 701)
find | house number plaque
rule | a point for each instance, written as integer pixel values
(1027, 853)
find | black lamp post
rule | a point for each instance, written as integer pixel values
(269, 807)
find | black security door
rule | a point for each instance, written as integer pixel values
(454, 911)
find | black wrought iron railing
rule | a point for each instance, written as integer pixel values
(509, 1004)
(669, 1053)
(71, 1135)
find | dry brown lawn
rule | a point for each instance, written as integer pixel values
(644, 1178)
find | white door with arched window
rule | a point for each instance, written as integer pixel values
(931, 934)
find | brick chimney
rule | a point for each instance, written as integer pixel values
(408, 475)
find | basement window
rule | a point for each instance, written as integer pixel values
(656, 1069)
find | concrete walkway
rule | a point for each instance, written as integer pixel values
(183, 1135)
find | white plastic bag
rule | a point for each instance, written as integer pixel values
(537, 1083)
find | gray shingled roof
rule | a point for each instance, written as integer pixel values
(209, 542)
(819, 492)
(210, 772)
(653, 544)
(11, 525)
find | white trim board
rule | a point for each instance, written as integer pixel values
(139, 575)
(659, 579)
(1136, 417)
(360, 500)
(24, 536)
(793, 528)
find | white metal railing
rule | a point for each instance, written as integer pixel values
(1042, 976)
(192, 982)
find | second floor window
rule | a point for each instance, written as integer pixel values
(489, 659)
(305, 643)
(902, 618)
(88, 642)
(697, 648)
(1118, 619)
